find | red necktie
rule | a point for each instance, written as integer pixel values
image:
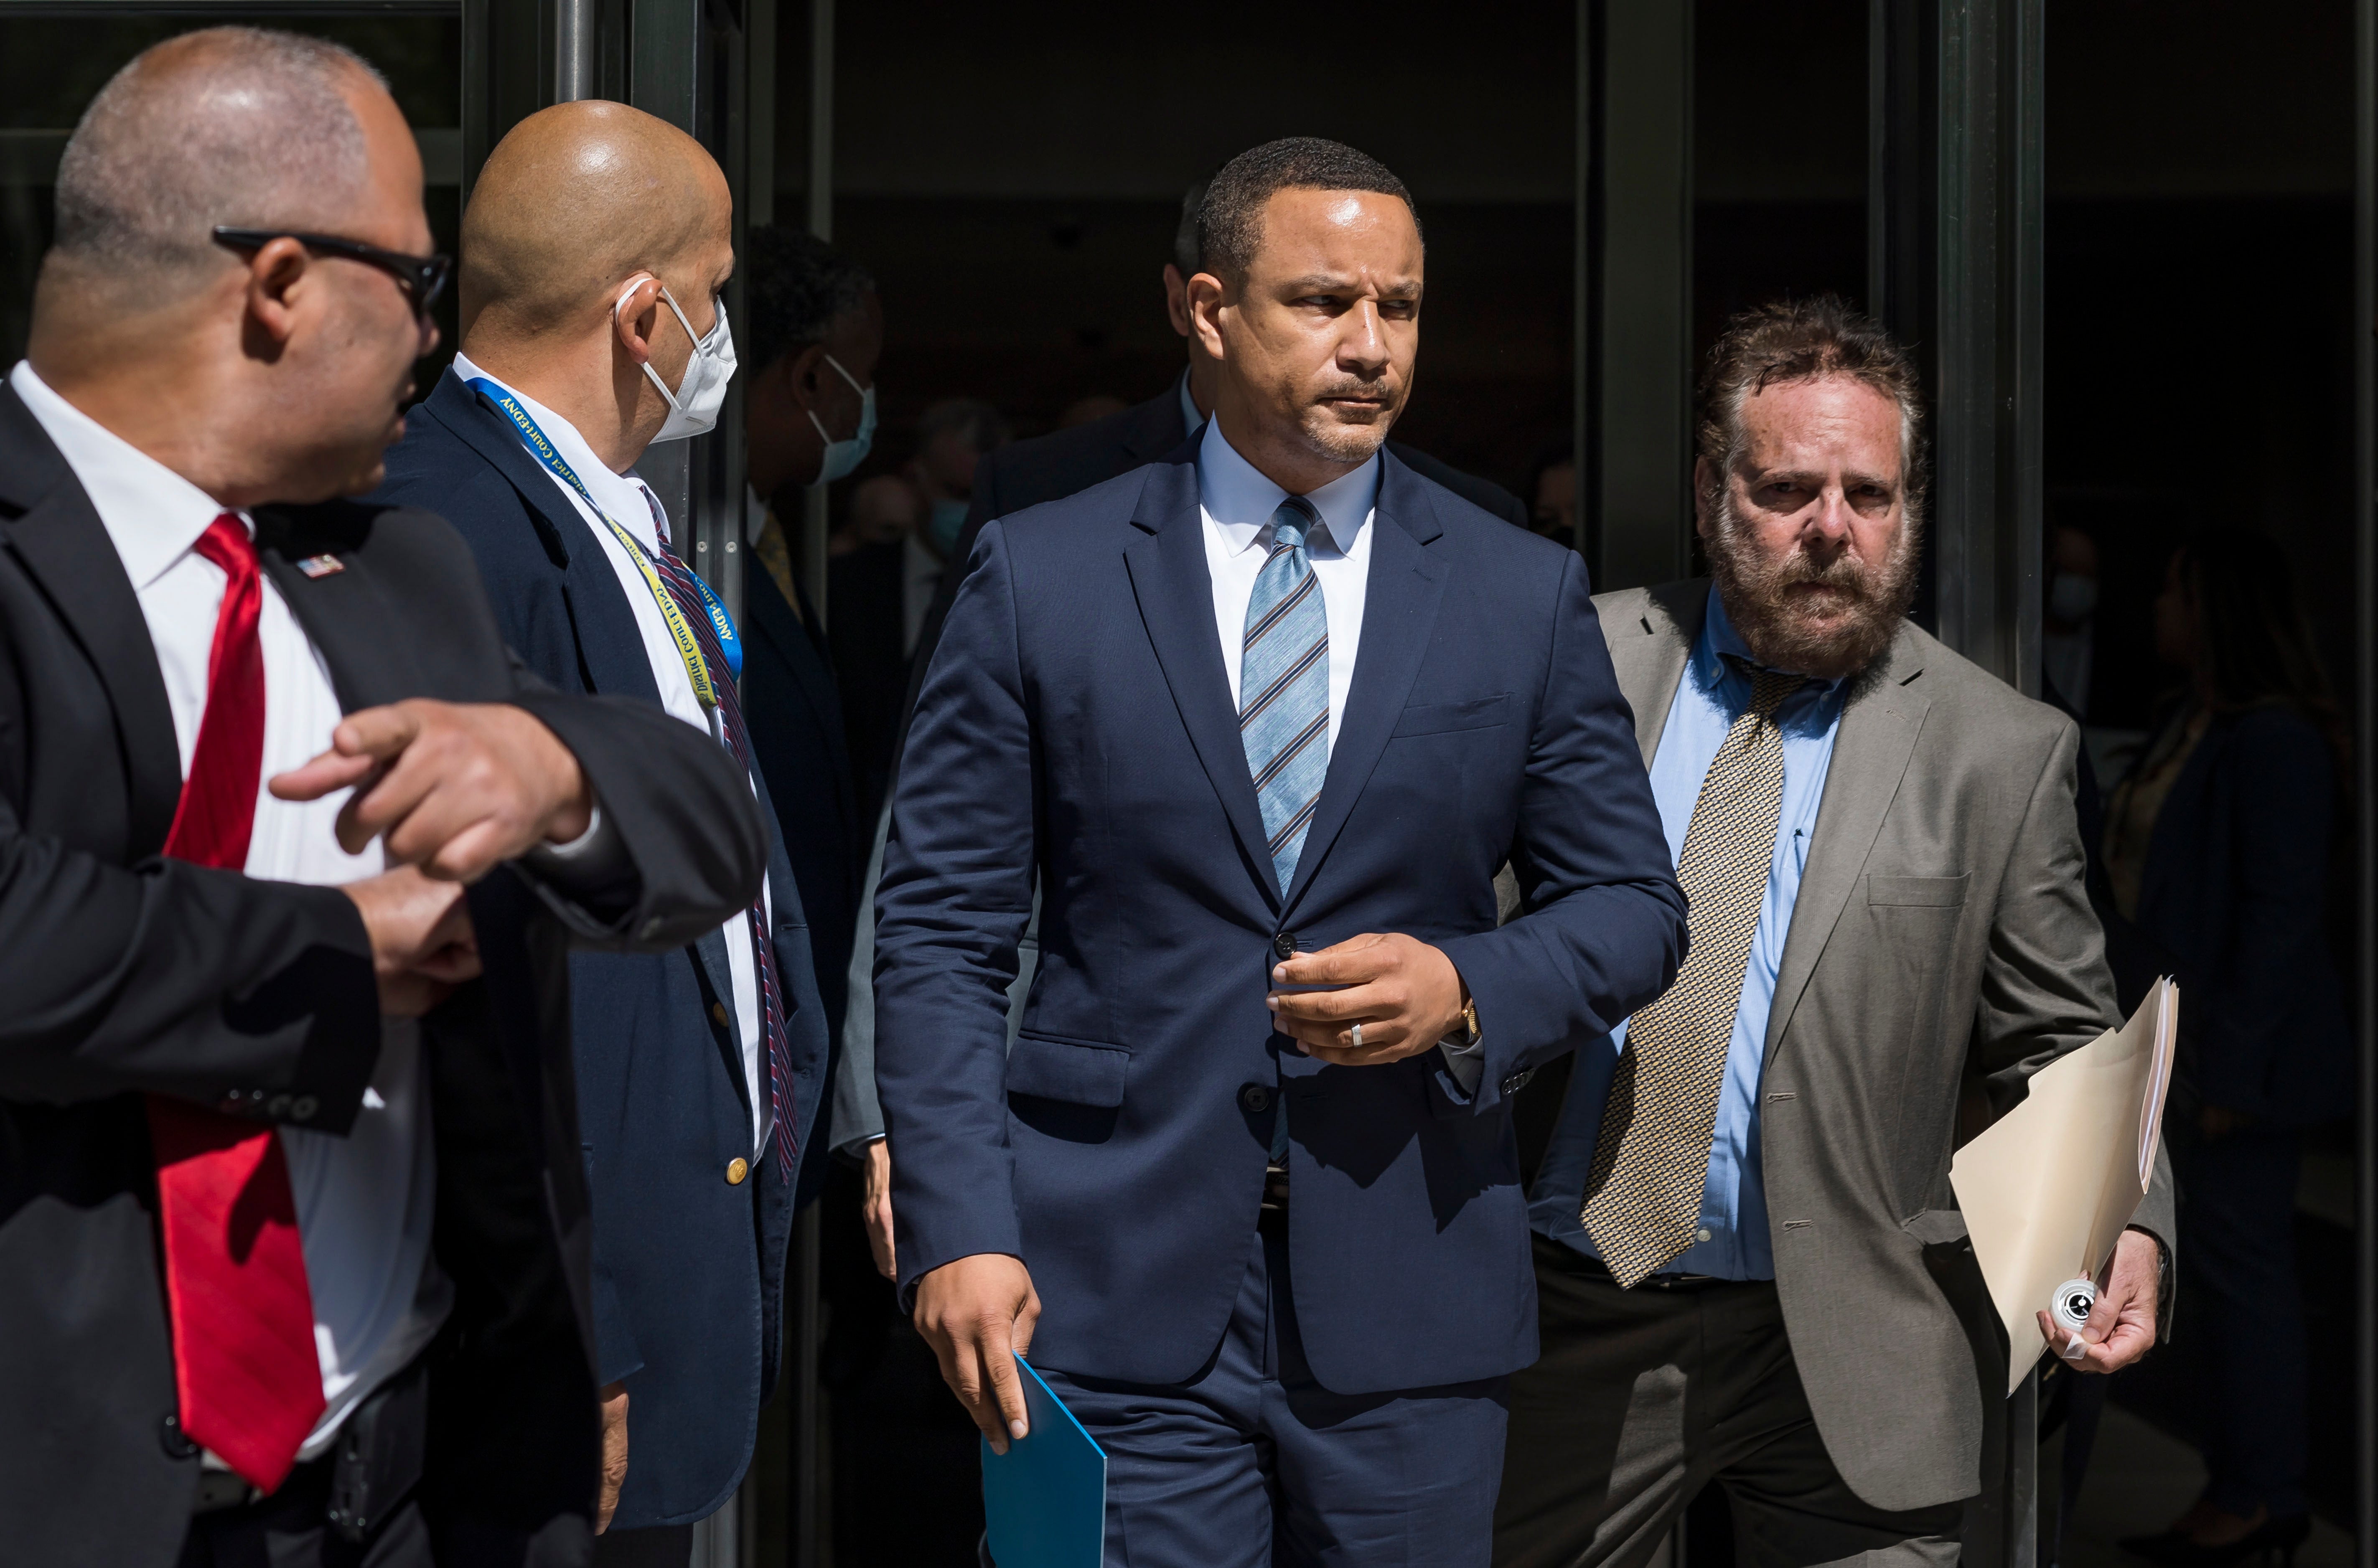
(243, 1359)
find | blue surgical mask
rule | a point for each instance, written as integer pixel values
(949, 522)
(843, 458)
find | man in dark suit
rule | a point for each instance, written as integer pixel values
(1750, 1262)
(812, 310)
(292, 1224)
(1262, 719)
(593, 251)
(1065, 462)
(1024, 475)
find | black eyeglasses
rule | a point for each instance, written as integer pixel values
(424, 276)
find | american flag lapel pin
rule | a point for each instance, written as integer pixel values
(321, 566)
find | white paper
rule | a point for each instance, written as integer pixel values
(2048, 1188)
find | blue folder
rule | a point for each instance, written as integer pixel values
(1044, 1501)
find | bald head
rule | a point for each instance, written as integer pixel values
(578, 199)
(247, 127)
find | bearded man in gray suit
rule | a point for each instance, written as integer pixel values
(1747, 1247)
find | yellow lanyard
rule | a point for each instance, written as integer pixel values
(697, 669)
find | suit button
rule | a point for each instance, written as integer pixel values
(177, 1443)
(1254, 1098)
(737, 1169)
(718, 1013)
(1518, 1080)
(304, 1107)
(1284, 944)
(652, 929)
(278, 1106)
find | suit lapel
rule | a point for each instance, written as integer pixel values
(1648, 654)
(1403, 589)
(1879, 724)
(343, 613)
(1175, 594)
(65, 547)
(610, 648)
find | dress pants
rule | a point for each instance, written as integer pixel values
(1644, 1396)
(290, 1529)
(1252, 1463)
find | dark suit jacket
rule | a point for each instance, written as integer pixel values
(1942, 933)
(126, 974)
(1077, 724)
(687, 1307)
(2234, 905)
(796, 721)
(1065, 462)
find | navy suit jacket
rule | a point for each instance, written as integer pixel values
(1077, 719)
(1065, 462)
(688, 1308)
(795, 717)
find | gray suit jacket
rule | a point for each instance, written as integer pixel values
(1942, 940)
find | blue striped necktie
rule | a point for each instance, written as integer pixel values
(1284, 687)
(680, 578)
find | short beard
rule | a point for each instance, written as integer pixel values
(1827, 635)
(1328, 438)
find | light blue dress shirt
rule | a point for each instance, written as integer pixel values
(1733, 1242)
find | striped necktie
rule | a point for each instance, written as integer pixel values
(690, 604)
(1650, 1161)
(1284, 687)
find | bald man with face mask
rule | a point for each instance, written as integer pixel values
(594, 252)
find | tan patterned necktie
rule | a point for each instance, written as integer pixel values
(770, 551)
(1650, 1163)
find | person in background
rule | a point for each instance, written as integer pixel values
(2222, 844)
(292, 1258)
(883, 510)
(594, 248)
(1746, 1198)
(880, 590)
(953, 438)
(1552, 495)
(816, 331)
(2066, 635)
(1267, 712)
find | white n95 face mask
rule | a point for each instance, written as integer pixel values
(845, 456)
(693, 407)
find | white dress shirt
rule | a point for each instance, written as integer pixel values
(630, 502)
(1236, 503)
(365, 1200)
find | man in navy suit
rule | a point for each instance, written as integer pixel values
(1264, 717)
(593, 251)
(816, 332)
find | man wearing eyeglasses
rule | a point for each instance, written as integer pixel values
(292, 1214)
(596, 249)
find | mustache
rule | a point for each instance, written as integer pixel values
(1379, 390)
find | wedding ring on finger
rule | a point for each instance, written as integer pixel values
(1358, 1036)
